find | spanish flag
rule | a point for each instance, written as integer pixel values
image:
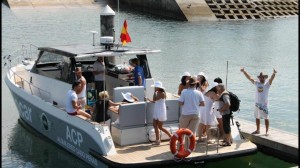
(125, 38)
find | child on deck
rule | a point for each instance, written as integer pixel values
(160, 110)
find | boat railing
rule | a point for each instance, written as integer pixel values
(29, 87)
(19, 55)
(31, 52)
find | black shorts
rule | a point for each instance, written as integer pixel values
(226, 123)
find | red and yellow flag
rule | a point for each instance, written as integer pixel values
(125, 38)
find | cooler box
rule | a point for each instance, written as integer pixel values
(163, 136)
(173, 128)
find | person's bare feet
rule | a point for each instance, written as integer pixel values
(255, 132)
(157, 142)
(200, 140)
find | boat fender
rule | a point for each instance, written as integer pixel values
(178, 136)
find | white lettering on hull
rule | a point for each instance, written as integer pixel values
(74, 136)
(24, 110)
(76, 151)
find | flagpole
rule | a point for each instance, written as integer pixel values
(119, 32)
(226, 74)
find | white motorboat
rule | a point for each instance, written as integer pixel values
(39, 87)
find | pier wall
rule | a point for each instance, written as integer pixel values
(198, 10)
(166, 8)
(43, 3)
(189, 10)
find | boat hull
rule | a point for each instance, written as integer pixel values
(93, 143)
(69, 132)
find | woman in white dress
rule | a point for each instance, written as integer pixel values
(202, 86)
(160, 110)
(208, 118)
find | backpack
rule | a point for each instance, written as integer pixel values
(234, 101)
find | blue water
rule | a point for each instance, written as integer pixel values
(194, 47)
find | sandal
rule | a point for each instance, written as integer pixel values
(225, 144)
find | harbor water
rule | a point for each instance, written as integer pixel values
(257, 45)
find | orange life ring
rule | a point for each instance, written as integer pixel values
(178, 136)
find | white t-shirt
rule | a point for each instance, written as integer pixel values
(262, 92)
(98, 66)
(191, 99)
(71, 96)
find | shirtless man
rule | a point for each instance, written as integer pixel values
(81, 93)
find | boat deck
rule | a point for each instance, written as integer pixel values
(149, 155)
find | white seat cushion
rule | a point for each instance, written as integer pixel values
(132, 115)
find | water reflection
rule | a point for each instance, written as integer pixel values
(29, 150)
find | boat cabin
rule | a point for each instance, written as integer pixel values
(60, 62)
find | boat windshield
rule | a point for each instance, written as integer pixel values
(48, 57)
(53, 65)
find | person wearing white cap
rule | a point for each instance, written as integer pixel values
(190, 100)
(208, 118)
(184, 79)
(203, 83)
(160, 110)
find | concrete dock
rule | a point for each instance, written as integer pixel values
(279, 143)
